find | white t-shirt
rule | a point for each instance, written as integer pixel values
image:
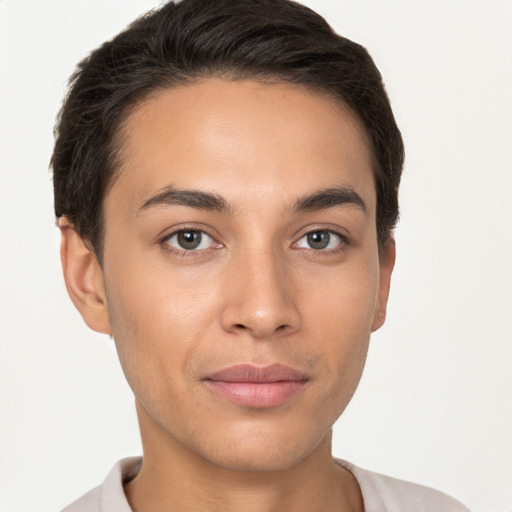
(380, 493)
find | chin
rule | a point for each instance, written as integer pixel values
(265, 451)
(257, 461)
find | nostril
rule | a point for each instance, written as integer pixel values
(243, 327)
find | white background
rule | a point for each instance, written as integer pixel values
(435, 403)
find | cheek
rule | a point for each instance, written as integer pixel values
(160, 321)
(345, 298)
(340, 319)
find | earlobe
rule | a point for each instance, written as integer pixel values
(387, 263)
(84, 278)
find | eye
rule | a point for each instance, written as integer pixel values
(190, 240)
(320, 240)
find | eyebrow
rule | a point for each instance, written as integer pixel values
(322, 200)
(171, 196)
(329, 198)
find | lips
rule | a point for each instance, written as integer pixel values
(257, 387)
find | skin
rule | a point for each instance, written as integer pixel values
(255, 291)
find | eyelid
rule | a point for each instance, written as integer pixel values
(344, 240)
(163, 240)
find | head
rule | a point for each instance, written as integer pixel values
(226, 175)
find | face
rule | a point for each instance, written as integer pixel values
(241, 270)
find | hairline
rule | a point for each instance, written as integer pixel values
(229, 75)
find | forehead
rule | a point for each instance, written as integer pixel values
(242, 136)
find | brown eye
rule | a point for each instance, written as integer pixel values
(190, 240)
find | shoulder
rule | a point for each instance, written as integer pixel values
(89, 502)
(382, 493)
(109, 495)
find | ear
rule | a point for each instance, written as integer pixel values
(387, 263)
(84, 278)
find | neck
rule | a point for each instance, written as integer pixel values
(175, 478)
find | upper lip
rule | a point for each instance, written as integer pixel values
(262, 374)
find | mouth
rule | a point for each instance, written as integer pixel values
(257, 387)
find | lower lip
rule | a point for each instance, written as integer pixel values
(256, 394)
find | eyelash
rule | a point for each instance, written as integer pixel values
(164, 242)
(341, 246)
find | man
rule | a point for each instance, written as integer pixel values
(226, 178)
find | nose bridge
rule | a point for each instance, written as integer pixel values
(262, 299)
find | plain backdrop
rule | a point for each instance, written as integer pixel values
(435, 402)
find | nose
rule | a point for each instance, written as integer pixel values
(261, 297)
